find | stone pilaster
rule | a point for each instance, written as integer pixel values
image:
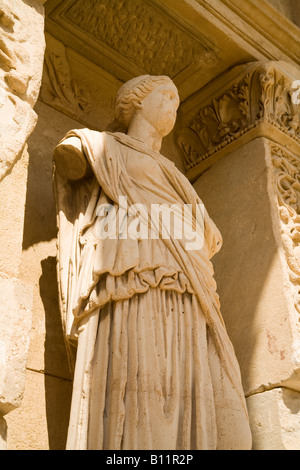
(240, 141)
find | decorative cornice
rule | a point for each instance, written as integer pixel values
(259, 24)
(258, 100)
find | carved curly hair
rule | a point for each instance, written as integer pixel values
(129, 98)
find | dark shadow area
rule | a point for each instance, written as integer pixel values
(291, 401)
(295, 5)
(58, 388)
(39, 222)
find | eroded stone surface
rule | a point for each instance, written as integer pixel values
(275, 419)
(21, 61)
(30, 425)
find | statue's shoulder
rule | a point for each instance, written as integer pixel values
(100, 136)
(89, 134)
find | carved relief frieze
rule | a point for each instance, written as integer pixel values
(262, 95)
(130, 37)
(107, 21)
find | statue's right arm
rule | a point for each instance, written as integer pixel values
(69, 159)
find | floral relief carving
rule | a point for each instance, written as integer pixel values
(59, 88)
(262, 95)
(286, 181)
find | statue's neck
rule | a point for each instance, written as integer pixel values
(141, 130)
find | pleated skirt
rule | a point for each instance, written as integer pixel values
(155, 380)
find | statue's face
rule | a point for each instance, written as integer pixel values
(159, 108)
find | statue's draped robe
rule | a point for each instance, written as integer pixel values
(155, 368)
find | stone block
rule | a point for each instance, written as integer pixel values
(15, 318)
(41, 422)
(12, 211)
(250, 271)
(275, 419)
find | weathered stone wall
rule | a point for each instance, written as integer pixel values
(21, 62)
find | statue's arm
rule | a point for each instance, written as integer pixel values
(70, 160)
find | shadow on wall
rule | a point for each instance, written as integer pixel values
(58, 390)
(40, 222)
(39, 268)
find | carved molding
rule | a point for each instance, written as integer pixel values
(262, 96)
(259, 23)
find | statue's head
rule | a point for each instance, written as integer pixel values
(132, 96)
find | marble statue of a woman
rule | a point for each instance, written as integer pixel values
(153, 365)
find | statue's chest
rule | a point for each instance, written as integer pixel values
(140, 166)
